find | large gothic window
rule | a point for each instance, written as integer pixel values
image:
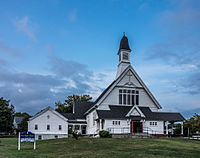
(128, 97)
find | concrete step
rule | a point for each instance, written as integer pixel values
(132, 135)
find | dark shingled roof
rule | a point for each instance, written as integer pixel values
(69, 116)
(164, 116)
(79, 109)
(120, 112)
(78, 122)
(124, 44)
(115, 112)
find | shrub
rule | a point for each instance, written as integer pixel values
(104, 134)
(75, 135)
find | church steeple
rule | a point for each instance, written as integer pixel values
(124, 45)
(124, 55)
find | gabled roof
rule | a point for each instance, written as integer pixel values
(48, 109)
(163, 116)
(115, 82)
(115, 112)
(137, 109)
(69, 116)
(81, 108)
(120, 112)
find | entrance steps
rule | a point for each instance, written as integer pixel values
(132, 135)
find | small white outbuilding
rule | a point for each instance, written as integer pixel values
(48, 124)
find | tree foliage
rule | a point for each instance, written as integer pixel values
(67, 106)
(193, 124)
(23, 126)
(6, 116)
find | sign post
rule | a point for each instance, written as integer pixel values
(19, 142)
(26, 137)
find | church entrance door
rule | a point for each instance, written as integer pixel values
(136, 127)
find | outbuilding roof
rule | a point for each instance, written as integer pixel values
(79, 109)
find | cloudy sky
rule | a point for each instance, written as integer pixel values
(55, 48)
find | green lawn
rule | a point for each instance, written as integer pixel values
(102, 147)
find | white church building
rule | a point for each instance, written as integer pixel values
(126, 106)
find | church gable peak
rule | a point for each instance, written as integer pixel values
(135, 111)
(128, 79)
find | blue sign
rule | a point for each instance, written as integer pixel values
(27, 137)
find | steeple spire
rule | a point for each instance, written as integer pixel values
(124, 45)
(124, 55)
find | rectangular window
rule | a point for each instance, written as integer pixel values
(39, 137)
(60, 127)
(137, 100)
(124, 98)
(48, 127)
(129, 99)
(125, 56)
(133, 100)
(94, 118)
(36, 127)
(120, 98)
(116, 123)
(77, 127)
(153, 123)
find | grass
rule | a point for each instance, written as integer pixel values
(102, 148)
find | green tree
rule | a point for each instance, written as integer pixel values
(67, 106)
(23, 126)
(6, 116)
(193, 124)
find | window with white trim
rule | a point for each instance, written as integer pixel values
(94, 118)
(128, 97)
(116, 123)
(48, 127)
(153, 123)
(36, 127)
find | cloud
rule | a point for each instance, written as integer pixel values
(5, 49)
(33, 92)
(72, 15)
(181, 46)
(24, 25)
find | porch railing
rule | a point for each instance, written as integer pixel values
(126, 130)
(119, 130)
